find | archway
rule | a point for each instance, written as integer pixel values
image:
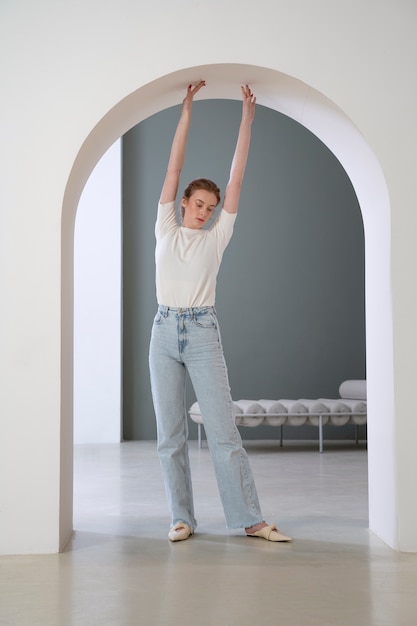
(320, 116)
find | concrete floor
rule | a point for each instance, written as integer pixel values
(121, 570)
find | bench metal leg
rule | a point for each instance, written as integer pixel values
(321, 434)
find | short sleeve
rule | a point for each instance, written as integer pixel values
(166, 220)
(223, 227)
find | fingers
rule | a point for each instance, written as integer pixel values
(246, 91)
(193, 90)
(247, 94)
(187, 103)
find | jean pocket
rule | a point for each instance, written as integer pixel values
(158, 319)
(205, 320)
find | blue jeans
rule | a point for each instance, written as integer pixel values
(188, 340)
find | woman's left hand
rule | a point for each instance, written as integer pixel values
(249, 102)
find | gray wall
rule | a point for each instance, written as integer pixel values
(290, 295)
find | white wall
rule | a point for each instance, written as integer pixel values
(67, 95)
(97, 304)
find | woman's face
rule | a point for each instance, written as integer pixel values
(199, 207)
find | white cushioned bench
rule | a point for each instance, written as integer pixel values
(350, 408)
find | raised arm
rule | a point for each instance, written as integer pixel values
(237, 170)
(178, 148)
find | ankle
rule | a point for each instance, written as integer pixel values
(255, 527)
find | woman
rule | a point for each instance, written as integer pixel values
(185, 337)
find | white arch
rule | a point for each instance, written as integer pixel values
(314, 111)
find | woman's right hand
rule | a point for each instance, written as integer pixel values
(187, 103)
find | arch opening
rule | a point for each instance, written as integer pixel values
(319, 115)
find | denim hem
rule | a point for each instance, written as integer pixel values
(183, 521)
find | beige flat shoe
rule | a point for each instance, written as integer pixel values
(179, 532)
(270, 533)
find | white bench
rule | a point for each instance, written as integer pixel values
(350, 408)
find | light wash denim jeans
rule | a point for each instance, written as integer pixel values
(188, 340)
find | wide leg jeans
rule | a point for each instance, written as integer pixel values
(188, 340)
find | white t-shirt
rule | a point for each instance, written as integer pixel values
(187, 259)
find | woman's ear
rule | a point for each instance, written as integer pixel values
(184, 202)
